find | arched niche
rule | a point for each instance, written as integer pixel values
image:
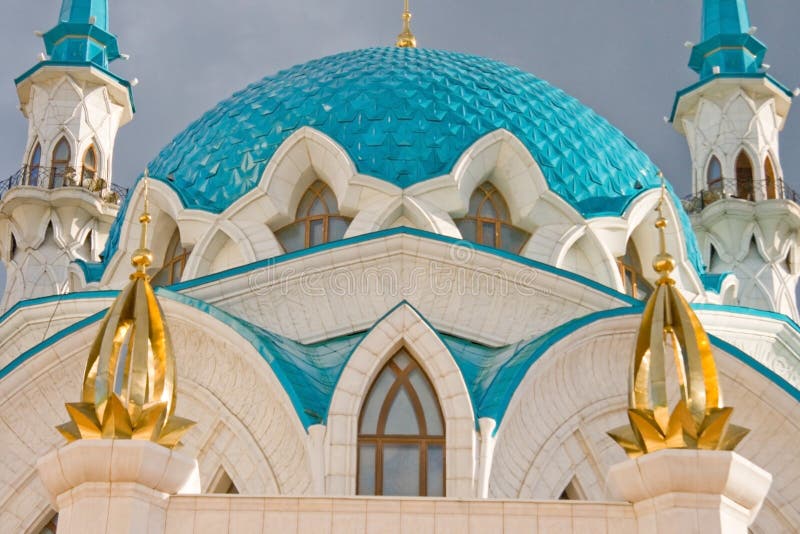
(403, 328)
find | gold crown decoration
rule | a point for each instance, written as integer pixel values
(671, 330)
(406, 39)
(129, 387)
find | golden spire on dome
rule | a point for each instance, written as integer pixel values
(406, 39)
(671, 330)
(129, 386)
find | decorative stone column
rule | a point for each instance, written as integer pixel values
(683, 491)
(115, 485)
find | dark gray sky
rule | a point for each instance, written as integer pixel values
(624, 58)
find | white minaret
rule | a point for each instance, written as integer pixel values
(60, 205)
(746, 219)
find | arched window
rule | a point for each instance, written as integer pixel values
(401, 434)
(62, 173)
(488, 222)
(317, 220)
(714, 175)
(772, 183)
(175, 259)
(744, 176)
(89, 171)
(630, 269)
(34, 165)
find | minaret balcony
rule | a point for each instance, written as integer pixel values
(733, 188)
(64, 176)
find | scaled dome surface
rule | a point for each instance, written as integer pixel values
(405, 115)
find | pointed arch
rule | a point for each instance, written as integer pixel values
(744, 176)
(488, 221)
(90, 165)
(401, 426)
(174, 262)
(317, 220)
(402, 328)
(61, 158)
(34, 165)
(771, 179)
(714, 180)
(306, 156)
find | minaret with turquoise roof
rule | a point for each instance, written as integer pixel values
(59, 205)
(729, 46)
(81, 35)
(745, 217)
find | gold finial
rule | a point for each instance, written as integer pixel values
(129, 386)
(142, 258)
(663, 263)
(406, 39)
(671, 330)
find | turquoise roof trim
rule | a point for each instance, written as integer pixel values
(81, 35)
(727, 43)
(757, 76)
(29, 303)
(309, 373)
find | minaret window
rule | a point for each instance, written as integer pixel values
(175, 258)
(488, 222)
(62, 172)
(401, 435)
(35, 165)
(317, 220)
(714, 174)
(744, 177)
(89, 171)
(772, 183)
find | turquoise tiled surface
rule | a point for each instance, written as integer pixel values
(405, 116)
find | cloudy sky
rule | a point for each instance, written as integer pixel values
(624, 58)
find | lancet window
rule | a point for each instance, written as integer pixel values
(488, 221)
(317, 220)
(401, 438)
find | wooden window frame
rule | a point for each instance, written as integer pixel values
(316, 191)
(35, 169)
(770, 178)
(61, 164)
(89, 172)
(744, 183)
(423, 439)
(492, 195)
(171, 259)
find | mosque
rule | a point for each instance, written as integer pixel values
(399, 290)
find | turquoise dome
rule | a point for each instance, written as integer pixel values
(405, 115)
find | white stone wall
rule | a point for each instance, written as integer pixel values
(42, 231)
(554, 431)
(76, 104)
(729, 116)
(759, 242)
(235, 514)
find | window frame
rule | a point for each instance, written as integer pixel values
(316, 192)
(61, 165)
(380, 439)
(89, 172)
(502, 218)
(34, 166)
